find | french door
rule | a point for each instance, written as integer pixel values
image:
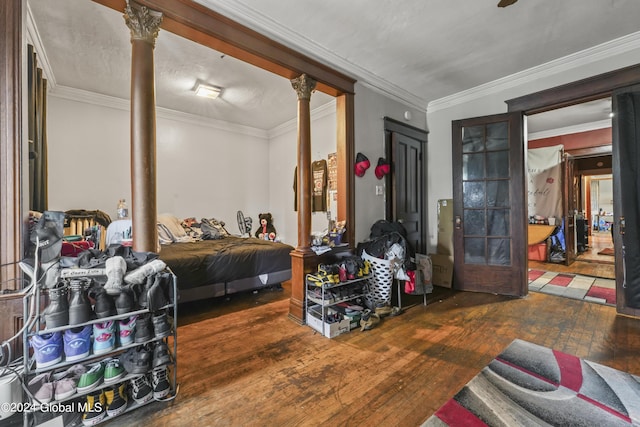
(489, 204)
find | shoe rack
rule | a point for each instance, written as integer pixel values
(325, 295)
(86, 400)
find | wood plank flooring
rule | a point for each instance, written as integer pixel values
(244, 363)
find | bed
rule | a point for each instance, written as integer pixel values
(213, 268)
(211, 262)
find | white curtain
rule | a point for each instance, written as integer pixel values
(544, 167)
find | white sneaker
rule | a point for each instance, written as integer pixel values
(140, 274)
(115, 268)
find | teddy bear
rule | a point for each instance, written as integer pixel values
(266, 230)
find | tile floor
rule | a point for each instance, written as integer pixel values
(574, 286)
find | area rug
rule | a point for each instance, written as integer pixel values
(532, 385)
(574, 286)
(607, 251)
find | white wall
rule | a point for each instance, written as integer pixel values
(202, 171)
(490, 99)
(371, 107)
(283, 159)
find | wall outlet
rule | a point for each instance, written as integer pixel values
(379, 190)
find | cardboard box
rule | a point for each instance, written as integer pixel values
(445, 227)
(445, 216)
(538, 252)
(331, 330)
(354, 320)
(442, 266)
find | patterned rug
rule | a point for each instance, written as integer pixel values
(531, 385)
(593, 289)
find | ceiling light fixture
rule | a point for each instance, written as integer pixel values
(207, 90)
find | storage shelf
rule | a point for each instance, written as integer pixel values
(97, 320)
(316, 315)
(337, 285)
(99, 387)
(92, 357)
(334, 301)
(31, 369)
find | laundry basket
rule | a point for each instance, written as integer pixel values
(379, 284)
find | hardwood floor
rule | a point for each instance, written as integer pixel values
(244, 363)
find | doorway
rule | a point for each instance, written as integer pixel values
(584, 131)
(404, 147)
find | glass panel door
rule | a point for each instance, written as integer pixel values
(489, 203)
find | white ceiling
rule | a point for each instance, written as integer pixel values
(421, 51)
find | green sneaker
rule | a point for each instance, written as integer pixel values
(90, 379)
(113, 371)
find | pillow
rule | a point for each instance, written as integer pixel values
(170, 230)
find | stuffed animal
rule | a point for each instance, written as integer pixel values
(266, 230)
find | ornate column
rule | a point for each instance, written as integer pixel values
(144, 25)
(303, 86)
(301, 257)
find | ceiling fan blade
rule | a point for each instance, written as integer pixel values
(505, 3)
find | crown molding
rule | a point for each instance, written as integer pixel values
(33, 37)
(579, 59)
(292, 125)
(79, 95)
(584, 127)
(254, 20)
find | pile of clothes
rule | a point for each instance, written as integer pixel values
(388, 240)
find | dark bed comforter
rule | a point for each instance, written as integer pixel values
(208, 262)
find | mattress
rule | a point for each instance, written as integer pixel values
(224, 260)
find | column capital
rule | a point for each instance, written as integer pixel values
(303, 86)
(143, 22)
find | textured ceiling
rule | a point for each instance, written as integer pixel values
(420, 50)
(88, 47)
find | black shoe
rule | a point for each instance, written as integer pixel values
(161, 385)
(352, 268)
(95, 409)
(142, 291)
(79, 305)
(104, 306)
(157, 297)
(141, 391)
(161, 326)
(143, 329)
(57, 312)
(137, 360)
(124, 302)
(161, 355)
(116, 399)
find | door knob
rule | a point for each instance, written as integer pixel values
(401, 221)
(458, 222)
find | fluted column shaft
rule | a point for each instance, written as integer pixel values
(144, 25)
(302, 257)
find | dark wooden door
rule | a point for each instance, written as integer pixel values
(407, 186)
(626, 218)
(569, 207)
(490, 205)
(406, 193)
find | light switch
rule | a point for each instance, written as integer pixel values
(379, 190)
